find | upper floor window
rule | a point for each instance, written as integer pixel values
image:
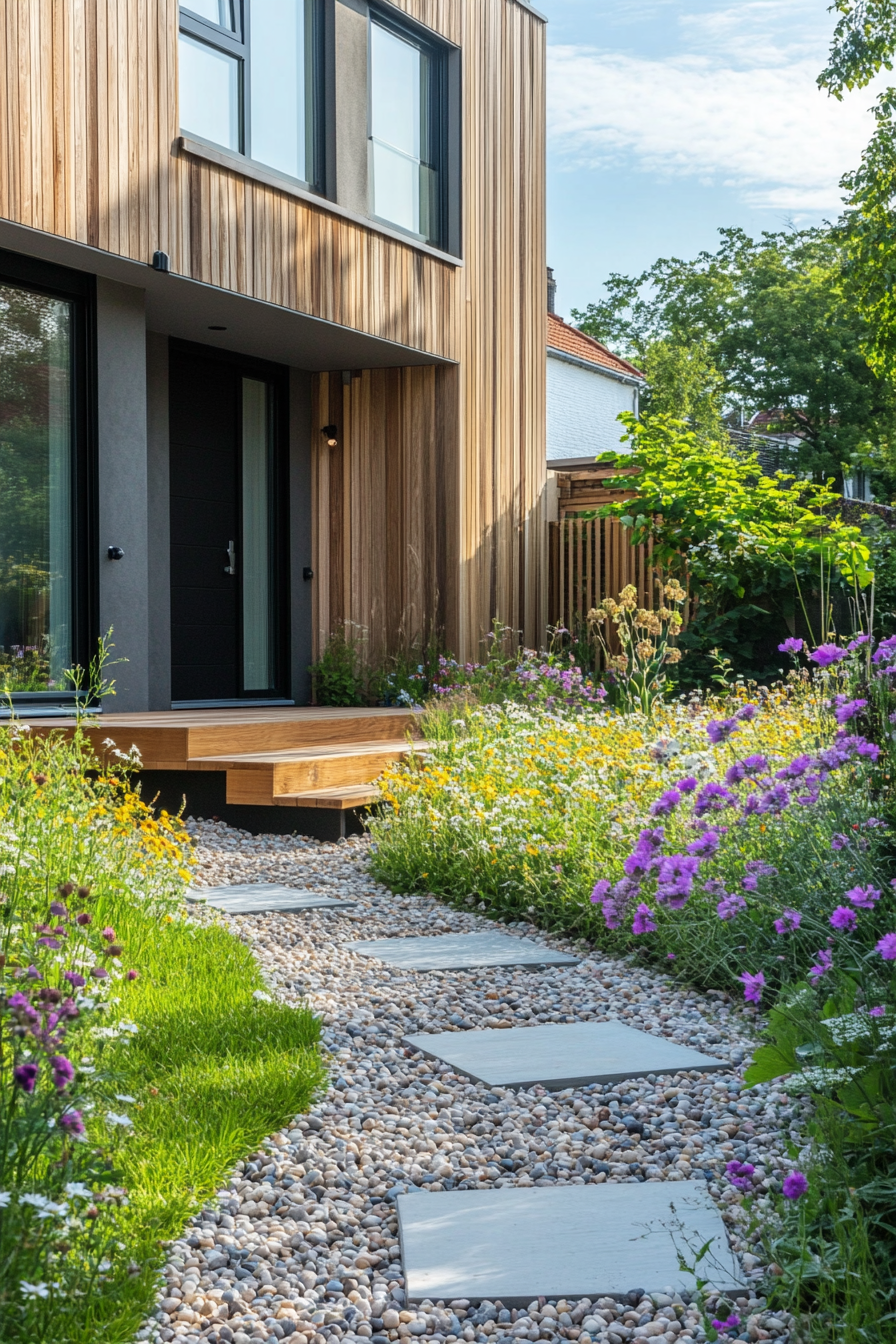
(407, 130)
(249, 80)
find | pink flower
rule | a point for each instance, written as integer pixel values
(843, 918)
(795, 1185)
(753, 986)
(84, 918)
(63, 1072)
(72, 1123)
(887, 947)
(109, 934)
(824, 964)
(132, 975)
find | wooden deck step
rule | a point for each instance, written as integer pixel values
(340, 799)
(261, 778)
(198, 739)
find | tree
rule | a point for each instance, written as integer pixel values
(682, 382)
(773, 318)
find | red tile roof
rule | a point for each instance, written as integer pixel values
(571, 341)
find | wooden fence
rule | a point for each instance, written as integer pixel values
(593, 558)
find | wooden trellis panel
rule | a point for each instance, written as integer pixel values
(593, 559)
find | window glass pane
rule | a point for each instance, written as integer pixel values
(395, 91)
(35, 490)
(209, 92)
(258, 625)
(396, 187)
(216, 11)
(282, 86)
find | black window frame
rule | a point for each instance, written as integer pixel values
(79, 289)
(440, 112)
(238, 43)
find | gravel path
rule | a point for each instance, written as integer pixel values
(303, 1241)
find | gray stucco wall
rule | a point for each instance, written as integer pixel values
(158, 519)
(351, 105)
(301, 590)
(122, 463)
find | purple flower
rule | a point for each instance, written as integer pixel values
(99, 973)
(747, 712)
(755, 764)
(59, 910)
(878, 1011)
(719, 730)
(83, 918)
(706, 846)
(857, 643)
(665, 804)
(750, 882)
(823, 964)
(730, 906)
(790, 920)
(775, 800)
(826, 655)
(25, 1076)
(885, 650)
(63, 1072)
(675, 879)
(739, 1174)
(132, 975)
(53, 943)
(849, 710)
(713, 798)
(887, 947)
(796, 769)
(33, 973)
(760, 868)
(72, 1123)
(791, 646)
(843, 918)
(795, 1185)
(686, 785)
(730, 1323)
(753, 986)
(864, 897)
(643, 921)
(74, 979)
(839, 840)
(600, 890)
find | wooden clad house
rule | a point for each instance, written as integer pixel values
(272, 333)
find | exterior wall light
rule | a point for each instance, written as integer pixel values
(331, 434)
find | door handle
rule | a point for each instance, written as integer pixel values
(231, 556)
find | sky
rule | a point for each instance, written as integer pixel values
(668, 119)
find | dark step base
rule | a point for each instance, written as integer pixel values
(205, 792)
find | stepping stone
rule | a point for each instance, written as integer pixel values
(248, 898)
(461, 951)
(560, 1056)
(569, 1241)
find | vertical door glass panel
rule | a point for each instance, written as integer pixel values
(257, 588)
(35, 491)
(209, 86)
(216, 11)
(282, 86)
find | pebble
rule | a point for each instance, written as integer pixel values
(302, 1242)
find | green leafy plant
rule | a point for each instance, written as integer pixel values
(337, 678)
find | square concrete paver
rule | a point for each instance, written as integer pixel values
(567, 1241)
(247, 898)
(570, 1055)
(461, 951)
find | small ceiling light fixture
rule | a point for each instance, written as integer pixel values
(331, 434)
(217, 328)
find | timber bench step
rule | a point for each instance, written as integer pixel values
(263, 778)
(341, 799)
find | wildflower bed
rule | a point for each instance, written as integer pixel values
(140, 1056)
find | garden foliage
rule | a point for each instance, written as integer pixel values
(135, 1063)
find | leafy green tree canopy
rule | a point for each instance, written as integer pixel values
(772, 317)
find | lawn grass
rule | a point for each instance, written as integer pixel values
(213, 1072)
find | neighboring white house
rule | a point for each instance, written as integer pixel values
(587, 388)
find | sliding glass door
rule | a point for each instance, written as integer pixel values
(36, 487)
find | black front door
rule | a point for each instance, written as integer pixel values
(225, 588)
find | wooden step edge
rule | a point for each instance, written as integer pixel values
(259, 760)
(340, 799)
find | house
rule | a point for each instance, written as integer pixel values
(587, 387)
(271, 337)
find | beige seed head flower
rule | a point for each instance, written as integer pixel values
(644, 648)
(673, 655)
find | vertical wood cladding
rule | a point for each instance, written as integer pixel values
(429, 512)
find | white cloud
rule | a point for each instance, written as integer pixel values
(738, 107)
